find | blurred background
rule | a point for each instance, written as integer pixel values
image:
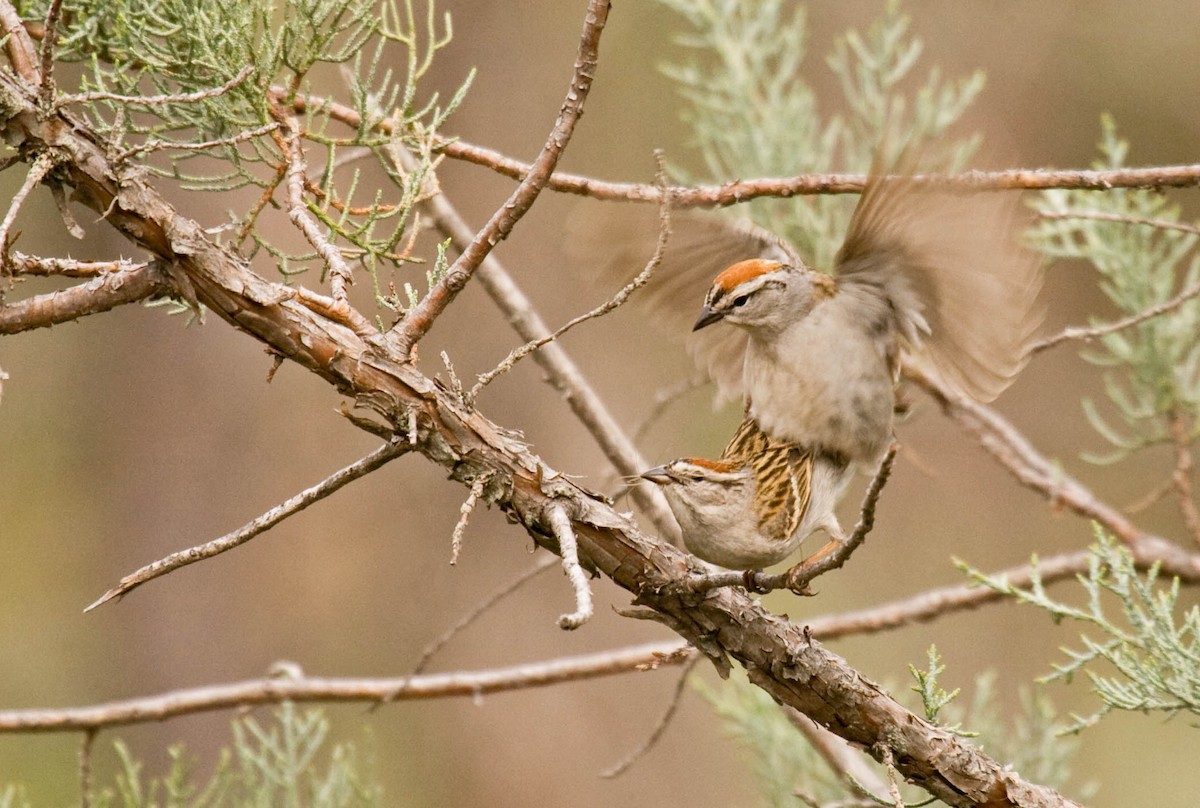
(127, 436)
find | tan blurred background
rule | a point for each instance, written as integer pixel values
(127, 436)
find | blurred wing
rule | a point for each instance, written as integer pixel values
(614, 243)
(950, 265)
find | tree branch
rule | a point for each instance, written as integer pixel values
(421, 317)
(293, 505)
(106, 292)
(254, 692)
(732, 193)
(1002, 440)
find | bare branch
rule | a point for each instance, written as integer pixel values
(637, 754)
(568, 548)
(421, 317)
(155, 100)
(112, 289)
(845, 763)
(738, 191)
(1089, 333)
(85, 768)
(464, 513)
(22, 53)
(1005, 443)
(42, 166)
(1104, 216)
(617, 300)
(340, 274)
(290, 507)
(540, 566)
(157, 145)
(253, 692)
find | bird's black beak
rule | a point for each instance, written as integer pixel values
(657, 475)
(707, 317)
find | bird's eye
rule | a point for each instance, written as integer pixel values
(740, 301)
(696, 478)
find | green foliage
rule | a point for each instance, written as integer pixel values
(150, 52)
(281, 764)
(753, 114)
(1154, 375)
(933, 698)
(786, 766)
(1152, 649)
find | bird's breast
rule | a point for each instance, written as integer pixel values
(823, 383)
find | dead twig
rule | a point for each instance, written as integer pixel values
(300, 688)
(1087, 334)
(660, 728)
(617, 300)
(290, 507)
(560, 523)
(420, 318)
(464, 513)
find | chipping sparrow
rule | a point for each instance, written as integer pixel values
(816, 357)
(754, 506)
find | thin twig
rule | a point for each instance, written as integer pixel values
(49, 40)
(290, 507)
(464, 513)
(154, 100)
(1089, 333)
(660, 728)
(1103, 216)
(541, 565)
(561, 370)
(266, 690)
(112, 289)
(42, 165)
(1182, 475)
(560, 523)
(663, 398)
(419, 320)
(157, 145)
(340, 274)
(617, 300)
(831, 557)
(889, 764)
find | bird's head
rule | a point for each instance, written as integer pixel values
(763, 296)
(705, 494)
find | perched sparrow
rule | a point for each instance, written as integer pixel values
(816, 357)
(754, 506)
